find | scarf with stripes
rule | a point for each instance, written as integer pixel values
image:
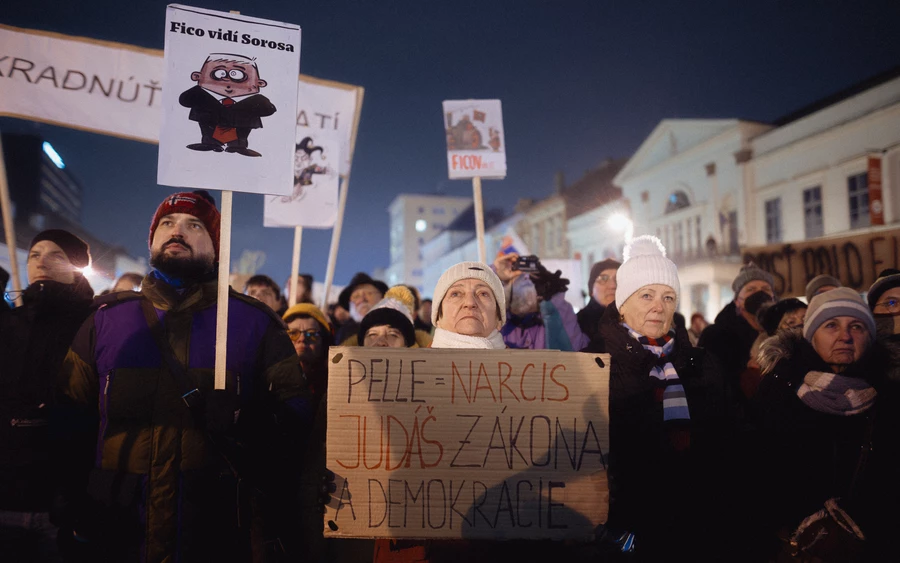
(669, 390)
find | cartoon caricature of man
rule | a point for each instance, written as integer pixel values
(304, 168)
(226, 103)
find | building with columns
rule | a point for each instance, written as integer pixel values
(689, 184)
(817, 191)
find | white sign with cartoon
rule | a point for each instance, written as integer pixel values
(227, 80)
(314, 200)
(325, 107)
(476, 145)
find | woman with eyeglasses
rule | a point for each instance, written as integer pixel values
(311, 335)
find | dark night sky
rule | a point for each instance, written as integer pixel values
(580, 81)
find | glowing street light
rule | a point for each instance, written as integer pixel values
(619, 222)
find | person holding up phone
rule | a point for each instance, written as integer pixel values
(538, 315)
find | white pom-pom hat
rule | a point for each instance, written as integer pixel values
(645, 264)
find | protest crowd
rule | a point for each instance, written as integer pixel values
(487, 416)
(769, 435)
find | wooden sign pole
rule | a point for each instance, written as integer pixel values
(479, 218)
(295, 266)
(223, 287)
(335, 241)
(342, 204)
(9, 230)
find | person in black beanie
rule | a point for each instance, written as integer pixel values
(786, 314)
(33, 342)
(602, 288)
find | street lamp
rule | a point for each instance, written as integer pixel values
(619, 222)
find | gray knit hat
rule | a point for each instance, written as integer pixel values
(840, 302)
(466, 270)
(750, 272)
(886, 280)
(645, 264)
(818, 282)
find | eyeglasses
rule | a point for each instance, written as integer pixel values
(234, 75)
(604, 277)
(309, 335)
(889, 305)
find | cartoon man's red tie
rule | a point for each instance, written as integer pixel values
(225, 134)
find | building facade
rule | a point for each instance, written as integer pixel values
(44, 195)
(826, 191)
(415, 220)
(689, 185)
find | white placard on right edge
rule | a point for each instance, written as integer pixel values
(476, 144)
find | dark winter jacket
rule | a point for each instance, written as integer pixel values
(33, 342)
(811, 456)
(729, 339)
(662, 495)
(162, 486)
(589, 318)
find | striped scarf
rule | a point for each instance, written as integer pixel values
(670, 389)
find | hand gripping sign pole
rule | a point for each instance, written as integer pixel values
(9, 230)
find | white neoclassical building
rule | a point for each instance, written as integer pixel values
(817, 191)
(688, 185)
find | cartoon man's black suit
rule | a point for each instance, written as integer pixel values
(226, 103)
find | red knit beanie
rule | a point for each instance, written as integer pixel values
(197, 203)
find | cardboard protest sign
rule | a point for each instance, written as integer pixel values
(476, 145)
(87, 84)
(314, 199)
(855, 260)
(496, 444)
(325, 106)
(225, 77)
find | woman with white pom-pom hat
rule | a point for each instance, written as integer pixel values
(666, 417)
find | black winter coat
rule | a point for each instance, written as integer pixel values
(812, 456)
(34, 339)
(673, 501)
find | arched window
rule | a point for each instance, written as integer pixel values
(677, 200)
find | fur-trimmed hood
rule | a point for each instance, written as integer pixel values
(783, 346)
(797, 356)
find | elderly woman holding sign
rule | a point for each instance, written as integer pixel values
(466, 313)
(665, 414)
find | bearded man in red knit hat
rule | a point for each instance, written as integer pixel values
(180, 471)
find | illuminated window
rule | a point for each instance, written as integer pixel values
(677, 200)
(421, 225)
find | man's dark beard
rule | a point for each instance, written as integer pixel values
(190, 269)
